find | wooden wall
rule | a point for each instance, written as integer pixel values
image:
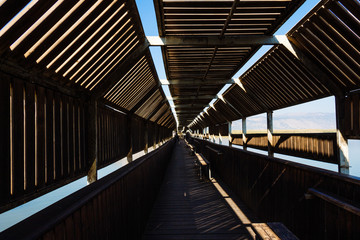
(282, 191)
(222, 129)
(316, 146)
(43, 139)
(352, 117)
(114, 207)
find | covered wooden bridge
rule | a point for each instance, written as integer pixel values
(79, 91)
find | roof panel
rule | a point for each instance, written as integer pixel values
(96, 47)
(332, 38)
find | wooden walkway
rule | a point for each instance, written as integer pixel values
(188, 208)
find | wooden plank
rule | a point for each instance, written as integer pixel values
(58, 165)
(282, 231)
(188, 208)
(49, 158)
(5, 139)
(77, 162)
(71, 143)
(84, 164)
(9, 9)
(70, 228)
(40, 137)
(335, 201)
(30, 136)
(263, 231)
(356, 116)
(22, 24)
(65, 136)
(18, 137)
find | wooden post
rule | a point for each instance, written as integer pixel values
(229, 134)
(270, 130)
(244, 138)
(129, 138)
(154, 136)
(92, 141)
(146, 150)
(342, 142)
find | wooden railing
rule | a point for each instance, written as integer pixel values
(114, 207)
(278, 190)
(44, 139)
(319, 146)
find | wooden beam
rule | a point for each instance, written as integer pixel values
(251, 95)
(154, 111)
(213, 41)
(230, 105)
(92, 140)
(270, 131)
(144, 98)
(14, 69)
(121, 70)
(146, 137)
(129, 140)
(200, 97)
(229, 133)
(342, 141)
(295, 48)
(191, 105)
(193, 82)
(228, 19)
(244, 138)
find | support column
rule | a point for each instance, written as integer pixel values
(342, 142)
(244, 138)
(229, 133)
(154, 137)
(146, 149)
(220, 138)
(270, 130)
(92, 141)
(129, 138)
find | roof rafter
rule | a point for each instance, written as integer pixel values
(214, 41)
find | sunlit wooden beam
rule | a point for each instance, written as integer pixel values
(213, 41)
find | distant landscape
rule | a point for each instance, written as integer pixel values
(290, 121)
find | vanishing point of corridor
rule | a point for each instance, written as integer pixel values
(190, 208)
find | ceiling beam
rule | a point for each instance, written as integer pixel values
(120, 70)
(294, 47)
(190, 82)
(200, 97)
(190, 105)
(213, 41)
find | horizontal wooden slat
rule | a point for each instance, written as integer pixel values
(317, 146)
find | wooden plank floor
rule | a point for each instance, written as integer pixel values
(188, 208)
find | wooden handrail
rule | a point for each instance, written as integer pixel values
(330, 198)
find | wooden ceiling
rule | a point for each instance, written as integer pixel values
(319, 57)
(202, 67)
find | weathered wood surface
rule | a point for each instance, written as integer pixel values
(116, 206)
(352, 123)
(317, 146)
(188, 208)
(276, 190)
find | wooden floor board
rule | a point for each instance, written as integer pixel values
(188, 208)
